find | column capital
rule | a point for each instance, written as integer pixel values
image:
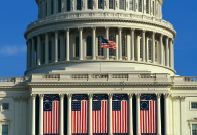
(167, 95)
(138, 95)
(41, 95)
(90, 95)
(69, 95)
(61, 95)
(110, 95)
(93, 28)
(67, 29)
(132, 29)
(80, 28)
(120, 29)
(143, 31)
(33, 95)
(158, 95)
(153, 33)
(130, 95)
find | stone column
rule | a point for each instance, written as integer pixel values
(147, 50)
(166, 113)
(64, 6)
(106, 4)
(110, 115)
(28, 53)
(38, 50)
(153, 47)
(90, 115)
(120, 43)
(158, 114)
(128, 47)
(67, 45)
(161, 49)
(144, 45)
(117, 47)
(171, 54)
(46, 48)
(107, 49)
(33, 53)
(130, 114)
(41, 98)
(33, 117)
(61, 114)
(167, 51)
(94, 43)
(85, 4)
(132, 44)
(138, 114)
(95, 3)
(56, 46)
(80, 43)
(69, 102)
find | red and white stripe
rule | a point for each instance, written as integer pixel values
(99, 118)
(79, 119)
(51, 119)
(120, 119)
(148, 118)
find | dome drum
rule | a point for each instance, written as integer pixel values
(82, 45)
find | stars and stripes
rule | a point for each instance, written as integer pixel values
(79, 114)
(120, 114)
(148, 114)
(99, 114)
(51, 115)
(105, 43)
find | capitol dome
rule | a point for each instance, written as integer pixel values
(65, 38)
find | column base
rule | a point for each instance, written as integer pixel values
(110, 133)
(61, 134)
(90, 133)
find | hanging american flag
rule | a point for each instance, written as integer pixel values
(79, 114)
(120, 114)
(99, 114)
(148, 114)
(51, 115)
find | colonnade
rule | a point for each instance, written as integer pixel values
(139, 45)
(130, 109)
(49, 7)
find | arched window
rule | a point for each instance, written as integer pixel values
(140, 6)
(90, 4)
(79, 4)
(89, 46)
(122, 4)
(111, 4)
(77, 47)
(100, 4)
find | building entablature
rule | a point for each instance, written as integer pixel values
(75, 18)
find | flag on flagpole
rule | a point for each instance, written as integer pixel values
(105, 43)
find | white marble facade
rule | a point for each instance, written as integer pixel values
(64, 57)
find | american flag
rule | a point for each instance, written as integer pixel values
(148, 114)
(51, 115)
(99, 114)
(105, 43)
(120, 114)
(79, 114)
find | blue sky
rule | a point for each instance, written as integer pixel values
(15, 15)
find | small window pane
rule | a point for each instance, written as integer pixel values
(122, 4)
(90, 4)
(111, 4)
(194, 129)
(194, 105)
(131, 5)
(5, 106)
(140, 6)
(4, 129)
(100, 4)
(79, 4)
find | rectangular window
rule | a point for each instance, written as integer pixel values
(59, 6)
(100, 4)
(68, 5)
(111, 4)
(79, 4)
(147, 6)
(122, 4)
(194, 105)
(90, 4)
(5, 106)
(194, 129)
(140, 6)
(52, 8)
(131, 5)
(4, 129)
